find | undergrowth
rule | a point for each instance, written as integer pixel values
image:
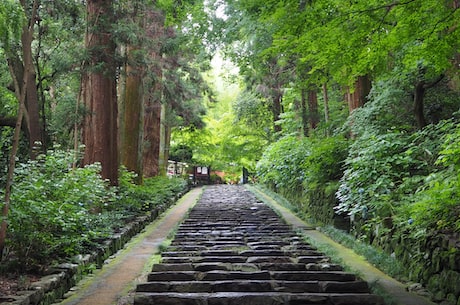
(58, 211)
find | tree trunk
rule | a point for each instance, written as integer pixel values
(99, 92)
(303, 111)
(132, 119)
(165, 140)
(313, 107)
(419, 94)
(21, 67)
(151, 151)
(358, 97)
(21, 93)
(276, 110)
(326, 108)
(10, 176)
(163, 158)
(8, 121)
(152, 99)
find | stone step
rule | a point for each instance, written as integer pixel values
(244, 259)
(234, 250)
(222, 275)
(256, 298)
(235, 265)
(251, 285)
(205, 259)
(207, 276)
(300, 254)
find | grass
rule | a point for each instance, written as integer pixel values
(381, 260)
(376, 257)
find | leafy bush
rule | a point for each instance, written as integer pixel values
(305, 171)
(389, 108)
(325, 162)
(154, 191)
(436, 206)
(51, 206)
(280, 167)
(375, 167)
(383, 171)
(58, 211)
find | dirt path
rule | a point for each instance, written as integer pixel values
(111, 284)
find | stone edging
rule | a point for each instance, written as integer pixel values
(63, 277)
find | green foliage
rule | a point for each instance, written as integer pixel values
(12, 19)
(281, 164)
(325, 162)
(58, 211)
(376, 165)
(436, 206)
(383, 170)
(153, 192)
(389, 108)
(376, 257)
(252, 110)
(305, 171)
(50, 207)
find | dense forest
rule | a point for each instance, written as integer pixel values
(348, 109)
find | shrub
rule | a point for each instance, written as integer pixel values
(436, 205)
(374, 168)
(58, 211)
(51, 206)
(305, 171)
(154, 191)
(280, 167)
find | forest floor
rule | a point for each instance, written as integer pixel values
(8, 286)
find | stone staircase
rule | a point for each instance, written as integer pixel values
(234, 250)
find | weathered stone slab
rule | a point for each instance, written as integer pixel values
(172, 267)
(312, 259)
(204, 267)
(282, 266)
(312, 275)
(273, 260)
(172, 276)
(235, 275)
(346, 287)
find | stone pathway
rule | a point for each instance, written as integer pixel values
(234, 249)
(111, 284)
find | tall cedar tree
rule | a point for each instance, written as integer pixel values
(154, 29)
(99, 91)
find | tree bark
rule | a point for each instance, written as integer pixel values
(419, 95)
(22, 66)
(131, 133)
(418, 104)
(326, 108)
(313, 109)
(151, 151)
(358, 97)
(303, 111)
(276, 109)
(99, 92)
(152, 98)
(8, 121)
